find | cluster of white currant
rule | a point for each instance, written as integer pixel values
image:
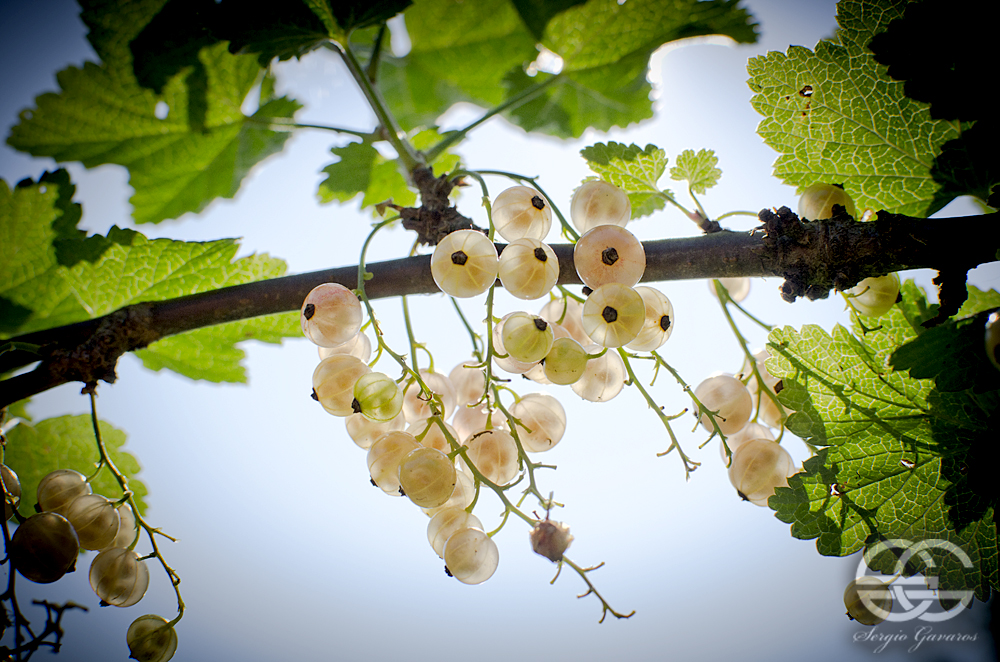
(438, 464)
(45, 546)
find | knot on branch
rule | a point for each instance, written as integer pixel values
(96, 358)
(817, 256)
(436, 217)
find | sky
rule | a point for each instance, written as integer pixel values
(285, 550)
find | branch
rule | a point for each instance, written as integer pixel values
(813, 257)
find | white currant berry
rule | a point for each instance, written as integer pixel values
(761, 402)
(151, 639)
(95, 519)
(738, 288)
(333, 383)
(550, 539)
(465, 264)
(874, 296)
(566, 362)
(596, 203)
(44, 547)
(359, 346)
(469, 381)
(462, 497)
(364, 431)
(59, 488)
(384, 457)
(659, 322)
(759, 466)
(817, 201)
(746, 433)
(430, 434)
(427, 477)
(537, 373)
(377, 396)
(603, 378)
(992, 339)
(613, 315)
(118, 576)
(10, 485)
(521, 212)
(529, 269)
(128, 529)
(609, 254)
(507, 363)
(729, 399)
(526, 337)
(542, 421)
(494, 454)
(868, 600)
(417, 406)
(471, 556)
(446, 522)
(331, 315)
(469, 420)
(567, 313)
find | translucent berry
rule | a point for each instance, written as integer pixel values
(465, 263)
(359, 347)
(427, 477)
(333, 383)
(746, 433)
(118, 577)
(521, 212)
(659, 322)
(10, 486)
(416, 406)
(461, 497)
(566, 362)
(445, 523)
(738, 288)
(874, 296)
(761, 402)
(57, 489)
(507, 363)
(95, 519)
(529, 269)
(44, 547)
(331, 315)
(151, 639)
(613, 315)
(603, 378)
(817, 201)
(992, 339)
(494, 453)
(609, 254)
(759, 466)
(428, 432)
(526, 337)
(543, 421)
(469, 381)
(550, 539)
(128, 529)
(596, 203)
(868, 600)
(364, 431)
(469, 420)
(377, 396)
(471, 556)
(567, 313)
(537, 373)
(384, 457)
(729, 398)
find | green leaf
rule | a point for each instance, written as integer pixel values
(633, 169)
(979, 300)
(67, 442)
(361, 169)
(460, 51)
(536, 14)
(899, 458)
(202, 149)
(211, 353)
(835, 116)
(698, 169)
(953, 354)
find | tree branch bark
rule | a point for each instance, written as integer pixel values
(813, 257)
